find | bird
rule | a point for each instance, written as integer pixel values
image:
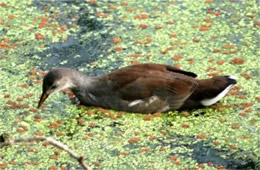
(139, 88)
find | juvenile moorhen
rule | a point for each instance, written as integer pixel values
(143, 88)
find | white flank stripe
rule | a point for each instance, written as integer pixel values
(92, 96)
(135, 102)
(208, 102)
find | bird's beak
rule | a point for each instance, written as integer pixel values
(44, 96)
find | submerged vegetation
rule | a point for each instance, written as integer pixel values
(208, 37)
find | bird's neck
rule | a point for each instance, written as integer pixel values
(82, 81)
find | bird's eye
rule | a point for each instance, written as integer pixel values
(54, 87)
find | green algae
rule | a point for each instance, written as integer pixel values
(80, 34)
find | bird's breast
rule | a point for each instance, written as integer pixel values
(149, 105)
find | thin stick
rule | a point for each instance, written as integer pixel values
(53, 142)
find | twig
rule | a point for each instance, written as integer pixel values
(53, 142)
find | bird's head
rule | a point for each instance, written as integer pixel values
(55, 81)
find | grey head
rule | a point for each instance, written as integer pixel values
(57, 80)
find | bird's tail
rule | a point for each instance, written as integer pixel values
(210, 91)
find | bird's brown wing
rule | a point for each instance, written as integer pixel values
(162, 68)
(135, 83)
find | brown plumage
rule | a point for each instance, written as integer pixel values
(144, 88)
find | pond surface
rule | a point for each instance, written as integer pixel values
(207, 37)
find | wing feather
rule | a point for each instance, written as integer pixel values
(140, 82)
